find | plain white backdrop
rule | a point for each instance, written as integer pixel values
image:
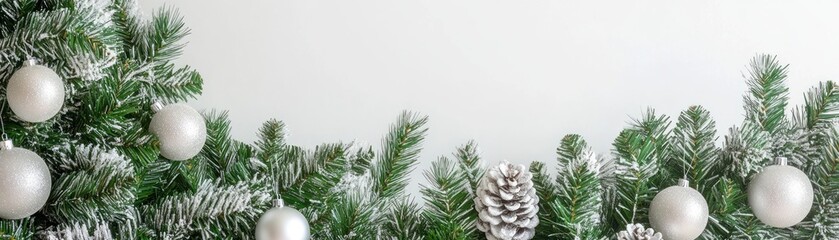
(513, 75)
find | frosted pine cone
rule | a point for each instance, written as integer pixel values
(507, 203)
(637, 232)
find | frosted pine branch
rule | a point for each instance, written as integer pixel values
(576, 208)
(448, 209)
(95, 185)
(79, 231)
(400, 150)
(212, 211)
(766, 100)
(746, 149)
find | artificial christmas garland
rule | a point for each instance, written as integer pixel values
(116, 170)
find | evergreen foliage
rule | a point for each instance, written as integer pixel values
(110, 183)
(578, 202)
(450, 211)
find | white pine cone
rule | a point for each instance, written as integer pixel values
(637, 232)
(507, 203)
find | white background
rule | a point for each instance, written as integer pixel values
(513, 75)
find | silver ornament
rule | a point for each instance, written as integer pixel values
(35, 93)
(679, 212)
(24, 182)
(282, 223)
(780, 195)
(180, 129)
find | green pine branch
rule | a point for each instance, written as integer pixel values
(213, 211)
(12, 12)
(821, 105)
(640, 150)
(694, 149)
(354, 217)
(746, 149)
(94, 185)
(571, 147)
(129, 27)
(148, 50)
(17, 229)
(578, 203)
(78, 41)
(160, 40)
(96, 231)
(399, 154)
(362, 159)
(404, 221)
(313, 187)
(823, 222)
(469, 162)
(168, 83)
(289, 168)
(766, 100)
(148, 185)
(634, 187)
(315, 181)
(814, 122)
(547, 192)
(730, 216)
(654, 128)
(222, 155)
(107, 115)
(271, 140)
(449, 204)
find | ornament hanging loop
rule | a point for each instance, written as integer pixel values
(156, 106)
(278, 203)
(683, 183)
(3, 125)
(782, 161)
(30, 62)
(6, 144)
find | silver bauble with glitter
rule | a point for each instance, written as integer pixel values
(24, 182)
(35, 93)
(679, 212)
(282, 223)
(180, 129)
(780, 195)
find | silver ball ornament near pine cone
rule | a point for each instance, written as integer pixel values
(507, 203)
(679, 212)
(35, 93)
(180, 129)
(638, 232)
(282, 223)
(780, 195)
(25, 182)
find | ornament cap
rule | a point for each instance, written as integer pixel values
(6, 144)
(156, 106)
(278, 203)
(30, 62)
(781, 161)
(683, 183)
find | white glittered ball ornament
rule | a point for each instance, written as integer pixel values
(282, 223)
(780, 195)
(679, 212)
(24, 182)
(35, 93)
(180, 129)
